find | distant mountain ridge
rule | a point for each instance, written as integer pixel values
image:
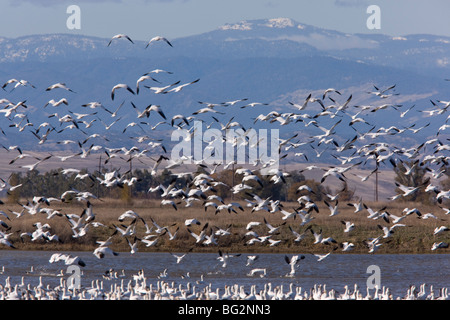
(281, 37)
(275, 61)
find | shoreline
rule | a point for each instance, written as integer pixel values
(223, 249)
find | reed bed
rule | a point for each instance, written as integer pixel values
(416, 237)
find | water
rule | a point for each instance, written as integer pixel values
(398, 272)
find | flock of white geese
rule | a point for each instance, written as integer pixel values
(139, 287)
(356, 151)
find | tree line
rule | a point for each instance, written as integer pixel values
(55, 182)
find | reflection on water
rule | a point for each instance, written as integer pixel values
(398, 272)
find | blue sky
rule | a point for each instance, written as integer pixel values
(142, 19)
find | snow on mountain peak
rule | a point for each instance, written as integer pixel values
(279, 23)
(243, 25)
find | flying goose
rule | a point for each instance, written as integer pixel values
(439, 230)
(439, 245)
(17, 83)
(381, 93)
(133, 245)
(67, 258)
(158, 38)
(118, 36)
(189, 222)
(162, 90)
(120, 86)
(101, 251)
(201, 236)
(128, 214)
(388, 231)
(148, 109)
(293, 261)
(302, 106)
(333, 209)
(223, 257)
(262, 272)
(376, 214)
(298, 236)
(149, 243)
(357, 205)
(373, 244)
(158, 71)
(272, 229)
(320, 239)
(59, 86)
(179, 257)
(320, 257)
(57, 103)
(327, 91)
(180, 87)
(428, 215)
(143, 78)
(347, 246)
(349, 226)
(251, 259)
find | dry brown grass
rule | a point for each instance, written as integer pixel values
(417, 237)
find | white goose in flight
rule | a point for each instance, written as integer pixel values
(59, 85)
(180, 87)
(439, 245)
(143, 78)
(158, 38)
(179, 257)
(261, 271)
(347, 246)
(57, 103)
(320, 257)
(133, 245)
(251, 260)
(328, 91)
(120, 86)
(223, 257)
(119, 36)
(320, 239)
(17, 83)
(439, 230)
(102, 251)
(357, 205)
(333, 209)
(293, 261)
(158, 71)
(349, 226)
(298, 236)
(162, 90)
(201, 236)
(272, 229)
(67, 258)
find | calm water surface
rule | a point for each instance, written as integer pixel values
(398, 272)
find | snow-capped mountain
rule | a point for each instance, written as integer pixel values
(275, 61)
(281, 38)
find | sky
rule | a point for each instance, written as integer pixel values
(142, 19)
